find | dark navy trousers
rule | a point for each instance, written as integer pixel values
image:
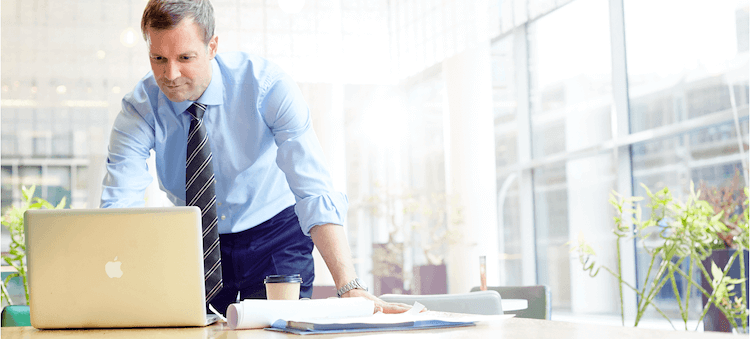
(276, 246)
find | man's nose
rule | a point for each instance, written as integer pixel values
(172, 71)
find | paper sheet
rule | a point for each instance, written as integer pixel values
(382, 318)
(262, 313)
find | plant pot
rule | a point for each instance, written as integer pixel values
(430, 279)
(387, 263)
(714, 319)
(16, 315)
(388, 285)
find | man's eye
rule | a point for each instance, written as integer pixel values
(186, 58)
(157, 58)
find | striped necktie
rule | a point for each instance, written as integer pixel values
(199, 189)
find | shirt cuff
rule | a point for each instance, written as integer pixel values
(322, 209)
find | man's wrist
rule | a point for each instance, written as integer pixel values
(354, 284)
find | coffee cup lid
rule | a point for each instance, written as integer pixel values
(293, 278)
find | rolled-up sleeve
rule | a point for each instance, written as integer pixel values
(127, 176)
(300, 155)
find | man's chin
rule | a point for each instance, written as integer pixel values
(173, 94)
(175, 97)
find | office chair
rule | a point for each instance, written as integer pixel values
(15, 315)
(485, 302)
(540, 301)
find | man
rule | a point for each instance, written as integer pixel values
(273, 194)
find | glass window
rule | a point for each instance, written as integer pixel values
(8, 131)
(42, 135)
(426, 158)
(61, 145)
(24, 134)
(506, 156)
(61, 134)
(678, 70)
(570, 97)
(82, 177)
(7, 187)
(41, 143)
(509, 231)
(570, 78)
(571, 199)
(551, 226)
(9, 146)
(58, 187)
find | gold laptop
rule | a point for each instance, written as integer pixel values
(118, 267)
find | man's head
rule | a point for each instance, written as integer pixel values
(181, 41)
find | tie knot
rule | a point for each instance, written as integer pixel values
(196, 110)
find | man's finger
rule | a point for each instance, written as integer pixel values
(395, 308)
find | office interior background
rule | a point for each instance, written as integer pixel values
(458, 129)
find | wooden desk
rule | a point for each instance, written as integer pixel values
(507, 329)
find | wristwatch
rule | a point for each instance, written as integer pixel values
(354, 284)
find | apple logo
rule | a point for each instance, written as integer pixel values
(113, 268)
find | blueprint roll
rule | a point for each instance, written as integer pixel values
(254, 313)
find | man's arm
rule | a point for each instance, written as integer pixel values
(333, 246)
(131, 140)
(301, 158)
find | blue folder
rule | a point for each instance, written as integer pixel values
(302, 328)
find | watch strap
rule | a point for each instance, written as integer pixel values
(354, 284)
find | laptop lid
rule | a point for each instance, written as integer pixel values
(118, 267)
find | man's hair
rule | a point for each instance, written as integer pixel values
(167, 14)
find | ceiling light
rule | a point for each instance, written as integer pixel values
(127, 38)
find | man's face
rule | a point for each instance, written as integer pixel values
(181, 61)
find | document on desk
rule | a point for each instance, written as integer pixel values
(411, 320)
(263, 313)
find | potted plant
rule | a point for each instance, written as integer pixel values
(728, 201)
(16, 256)
(387, 267)
(414, 221)
(434, 229)
(388, 257)
(684, 232)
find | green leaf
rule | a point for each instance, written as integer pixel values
(733, 281)
(648, 191)
(717, 217)
(61, 205)
(692, 186)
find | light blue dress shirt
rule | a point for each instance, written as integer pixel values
(266, 155)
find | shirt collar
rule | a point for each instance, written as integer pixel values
(213, 95)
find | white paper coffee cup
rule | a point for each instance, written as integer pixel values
(283, 287)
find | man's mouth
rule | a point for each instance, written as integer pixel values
(173, 86)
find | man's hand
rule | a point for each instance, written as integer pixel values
(380, 305)
(334, 248)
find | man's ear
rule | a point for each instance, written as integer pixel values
(213, 46)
